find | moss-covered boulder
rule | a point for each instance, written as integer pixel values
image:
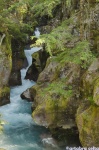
(56, 95)
(88, 125)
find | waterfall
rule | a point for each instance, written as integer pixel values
(37, 32)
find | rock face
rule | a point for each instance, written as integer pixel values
(56, 102)
(32, 73)
(17, 63)
(64, 97)
(88, 125)
(88, 113)
(5, 69)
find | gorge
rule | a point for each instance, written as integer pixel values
(62, 108)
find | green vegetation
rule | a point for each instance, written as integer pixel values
(4, 91)
(80, 54)
(12, 16)
(44, 7)
(59, 88)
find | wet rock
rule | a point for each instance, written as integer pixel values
(49, 142)
(25, 64)
(32, 73)
(26, 95)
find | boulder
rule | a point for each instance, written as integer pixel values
(49, 142)
(56, 102)
(26, 95)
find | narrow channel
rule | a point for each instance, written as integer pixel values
(20, 132)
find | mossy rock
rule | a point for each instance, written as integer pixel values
(56, 95)
(4, 91)
(50, 72)
(89, 78)
(88, 125)
(96, 92)
(4, 95)
(52, 109)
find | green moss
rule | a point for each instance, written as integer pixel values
(96, 92)
(59, 88)
(4, 91)
(87, 122)
(52, 100)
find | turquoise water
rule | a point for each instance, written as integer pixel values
(20, 132)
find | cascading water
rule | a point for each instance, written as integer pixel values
(20, 132)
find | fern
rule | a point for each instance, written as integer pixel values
(42, 8)
(55, 41)
(80, 54)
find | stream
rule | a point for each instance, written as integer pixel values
(20, 131)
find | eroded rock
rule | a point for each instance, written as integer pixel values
(56, 102)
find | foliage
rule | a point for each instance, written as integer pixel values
(58, 88)
(55, 43)
(80, 54)
(46, 7)
(12, 18)
(56, 40)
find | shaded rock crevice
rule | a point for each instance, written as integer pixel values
(17, 62)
